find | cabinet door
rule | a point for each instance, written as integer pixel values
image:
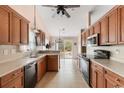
(39, 72)
(112, 18)
(104, 31)
(91, 31)
(16, 27)
(97, 28)
(108, 83)
(93, 77)
(121, 25)
(99, 79)
(83, 38)
(52, 63)
(5, 26)
(41, 68)
(88, 32)
(16, 83)
(24, 32)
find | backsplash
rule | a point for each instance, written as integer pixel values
(8, 49)
(117, 51)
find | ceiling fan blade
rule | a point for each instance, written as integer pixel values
(66, 13)
(71, 6)
(54, 6)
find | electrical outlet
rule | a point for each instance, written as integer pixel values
(5, 52)
(117, 51)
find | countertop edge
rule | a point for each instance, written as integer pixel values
(9, 71)
(107, 68)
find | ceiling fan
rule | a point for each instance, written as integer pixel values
(61, 9)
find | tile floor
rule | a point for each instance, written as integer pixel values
(69, 76)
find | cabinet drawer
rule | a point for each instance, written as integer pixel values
(116, 78)
(9, 77)
(96, 66)
(16, 83)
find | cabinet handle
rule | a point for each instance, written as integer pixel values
(118, 79)
(105, 71)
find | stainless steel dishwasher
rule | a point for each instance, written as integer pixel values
(30, 75)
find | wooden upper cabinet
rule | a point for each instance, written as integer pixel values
(13, 27)
(121, 25)
(5, 26)
(87, 33)
(112, 20)
(16, 29)
(97, 28)
(83, 38)
(24, 32)
(91, 30)
(104, 31)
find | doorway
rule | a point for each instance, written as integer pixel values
(66, 49)
(68, 46)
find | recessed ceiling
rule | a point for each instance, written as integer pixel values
(68, 27)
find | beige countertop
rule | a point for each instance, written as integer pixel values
(7, 67)
(114, 66)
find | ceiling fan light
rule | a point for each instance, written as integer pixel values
(63, 13)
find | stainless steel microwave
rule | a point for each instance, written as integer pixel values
(93, 40)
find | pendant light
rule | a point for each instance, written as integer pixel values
(35, 26)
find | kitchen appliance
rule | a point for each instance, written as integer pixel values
(102, 54)
(30, 75)
(84, 63)
(93, 40)
(84, 68)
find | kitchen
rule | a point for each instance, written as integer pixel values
(28, 53)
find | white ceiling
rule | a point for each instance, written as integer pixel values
(72, 26)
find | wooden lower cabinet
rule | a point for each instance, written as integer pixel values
(109, 83)
(93, 77)
(53, 63)
(14, 79)
(112, 80)
(99, 79)
(16, 83)
(96, 76)
(41, 68)
(103, 78)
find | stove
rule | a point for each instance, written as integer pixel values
(84, 63)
